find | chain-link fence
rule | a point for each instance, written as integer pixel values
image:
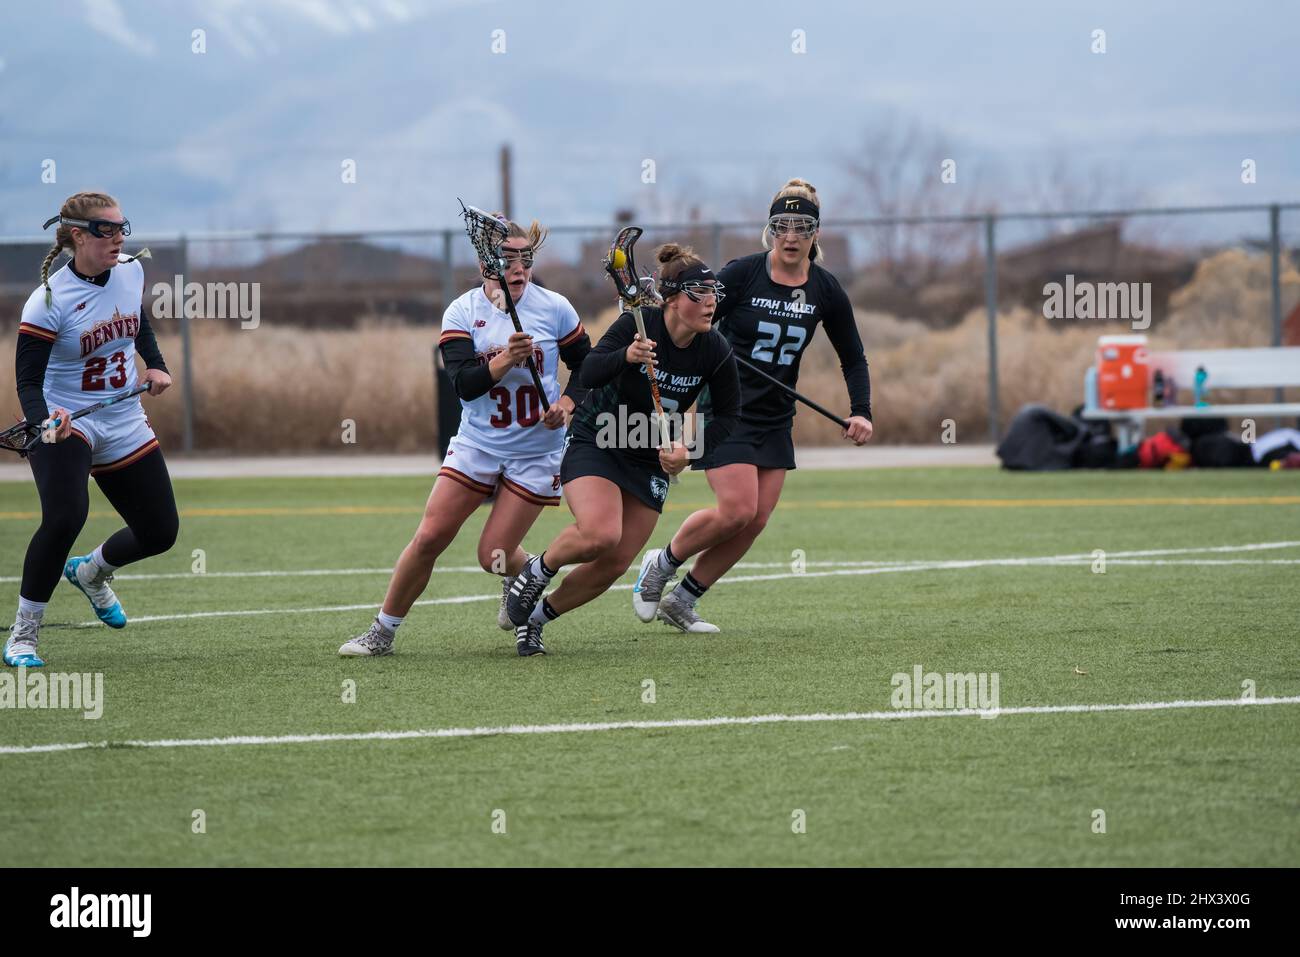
(300, 341)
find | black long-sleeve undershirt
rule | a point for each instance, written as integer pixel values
(146, 345)
(30, 360)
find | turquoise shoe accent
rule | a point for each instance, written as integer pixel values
(21, 655)
(111, 613)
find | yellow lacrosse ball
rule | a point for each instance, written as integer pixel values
(619, 259)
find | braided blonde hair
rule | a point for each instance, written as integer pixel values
(76, 206)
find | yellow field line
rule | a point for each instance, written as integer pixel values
(309, 510)
(1044, 502)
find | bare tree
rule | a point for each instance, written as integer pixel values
(1059, 182)
(904, 171)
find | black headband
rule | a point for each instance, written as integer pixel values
(793, 206)
(695, 272)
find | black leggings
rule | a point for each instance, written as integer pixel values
(141, 492)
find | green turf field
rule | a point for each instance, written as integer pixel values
(1187, 786)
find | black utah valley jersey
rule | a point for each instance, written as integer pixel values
(681, 374)
(769, 325)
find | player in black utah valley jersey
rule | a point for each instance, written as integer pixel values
(615, 474)
(775, 301)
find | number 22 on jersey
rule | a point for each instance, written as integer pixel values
(770, 333)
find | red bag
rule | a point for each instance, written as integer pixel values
(1163, 449)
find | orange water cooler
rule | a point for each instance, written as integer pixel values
(1123, 372)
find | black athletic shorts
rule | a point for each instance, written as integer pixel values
(752, 445)
(648, 485)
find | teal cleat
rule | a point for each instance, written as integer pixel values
(108, 609)
(20, 647)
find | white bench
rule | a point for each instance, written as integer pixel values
(1277, 367)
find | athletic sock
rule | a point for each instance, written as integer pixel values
(691, 589)
(544, 612)
(389, 621)
(97, 556)
(31, 608)
(667, 560)
(540, 566)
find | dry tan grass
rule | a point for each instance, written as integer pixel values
(1226, 305)
(932, 376)
(289, 390)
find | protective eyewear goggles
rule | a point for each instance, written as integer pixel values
(518, 256)
(800, 226)
(698, 289)
(99, 228)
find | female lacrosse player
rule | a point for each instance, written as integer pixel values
(505, 445)
(615, 479)
(775, 302)
(77, 342)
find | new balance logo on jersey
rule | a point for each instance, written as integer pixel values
(80, 306)
(119, 327)
(480, 323)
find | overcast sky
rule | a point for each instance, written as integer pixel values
(254, 132)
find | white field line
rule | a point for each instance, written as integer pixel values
(1202, 561)
(873, 569)
(475, 569)
(443, 569)
(483, 732)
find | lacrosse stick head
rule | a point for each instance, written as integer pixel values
(487, 233)
(633, 289)
(21, 438)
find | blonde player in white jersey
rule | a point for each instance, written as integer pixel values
(506, 446)
(80, 333)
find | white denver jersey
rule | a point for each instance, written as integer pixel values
(508, 418)
(93, 329)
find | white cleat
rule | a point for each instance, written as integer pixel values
(681, 615)
(375, 643)
(649, 587)
(20, 646)
(503, 620)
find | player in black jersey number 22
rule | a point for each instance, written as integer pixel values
(775, 301)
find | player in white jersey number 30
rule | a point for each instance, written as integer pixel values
(506, 446)
(80, 333)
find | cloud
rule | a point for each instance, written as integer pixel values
(108, 18)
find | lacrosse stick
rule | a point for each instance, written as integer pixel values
(634, 292)
(487, 234)
(796, 395)
(25, 436)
